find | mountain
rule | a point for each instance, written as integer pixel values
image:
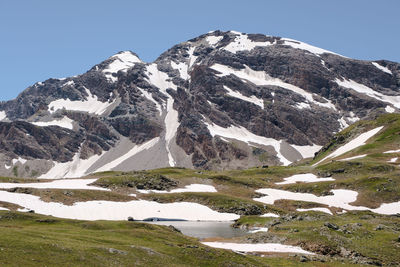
(223, 100)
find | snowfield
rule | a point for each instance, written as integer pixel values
(259, 247)
(90, 105)
(305, 178)
(360, 88)
(136, 149)
(72, 169)
(252, 99)
(110, 210)
(382, 68)
(78, 184)
(261, 78)
(121, 62)
(65, 122)
(243, 43)
(340, 199)
(356, 142)
(242, 134)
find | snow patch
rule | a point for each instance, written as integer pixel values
(258, 229)
(3, 115)
(242, 134)
(340, 199)
(305, 178)
(19, 159)
(197, 188)
(261, 78)
(389, 109)
(161, 80)
(213, 40)
(270, 215)
(65, 122)
(392, 151)
(382, 68)
(356, 142)
(393, 160)
(302, 105)
(360, 88)
(307, 151)
(121, 62)
(252, 99)
(135, 150)
(76, 168)
(1, 208)
(192, 57)
(303, 46)
(90, 105)
(79, 184)
(111, 210)
(182, 68)
(149, 96)
(243, 43)
(355, 157)
(258, 247)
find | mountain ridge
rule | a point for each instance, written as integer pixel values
(220, 100)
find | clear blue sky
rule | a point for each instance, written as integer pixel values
(41, 39)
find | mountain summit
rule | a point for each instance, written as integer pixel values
(221, 100)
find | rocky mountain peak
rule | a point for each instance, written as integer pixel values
(221, 100)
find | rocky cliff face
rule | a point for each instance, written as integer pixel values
(221, 100)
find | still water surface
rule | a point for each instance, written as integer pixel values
(205, 229)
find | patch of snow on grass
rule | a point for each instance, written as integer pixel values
(269, 214)
(252, 99)
(305, 178)
(258, 229)
(136, 149)
(360, 88)
(1, 208)
(392, 151)
(197, 188)
(340, 199)
(90, 105)
(389, 109)
(307, 151)
(355, 157)
(243, 43)
(113, 210)
(242, 134)
(326, 210)
(382, 68)
(65, 122)
(258, 247)
(261, 78)
(121, 62)
(79, 184)
(356, 142)
(76, 168)
(393, 160)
